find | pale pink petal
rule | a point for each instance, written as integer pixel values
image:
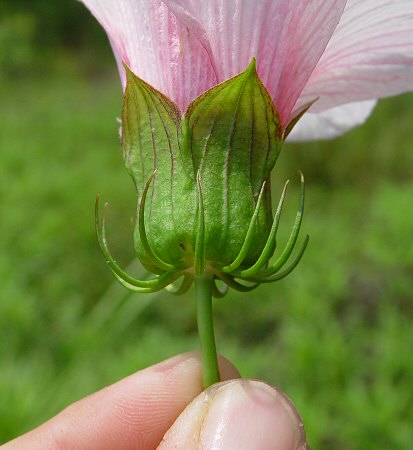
(332, 122)
(156, 46)
(287, 37)
(369, 56)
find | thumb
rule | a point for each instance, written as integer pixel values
(238, 415)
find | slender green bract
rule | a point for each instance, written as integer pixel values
(202, 179)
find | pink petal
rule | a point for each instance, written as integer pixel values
(369, 56)
(156, 46)
(332, 122)
(287, 37)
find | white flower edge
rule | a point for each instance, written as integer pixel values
(332, 122)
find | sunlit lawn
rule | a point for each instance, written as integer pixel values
(336, 335)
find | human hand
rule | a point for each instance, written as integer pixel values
(165, 407)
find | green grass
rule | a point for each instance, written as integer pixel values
(336, 335)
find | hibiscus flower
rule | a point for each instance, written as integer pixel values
(337, 56)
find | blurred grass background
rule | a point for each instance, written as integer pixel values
(336, 335)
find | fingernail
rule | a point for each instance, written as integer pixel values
(238, 415)
(251, 415)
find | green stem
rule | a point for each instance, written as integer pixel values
(210, 372)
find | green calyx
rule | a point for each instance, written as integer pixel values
(203, 187)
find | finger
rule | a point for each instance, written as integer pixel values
(132, 414)
(238, 415)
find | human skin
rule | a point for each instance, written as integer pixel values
(165, 407)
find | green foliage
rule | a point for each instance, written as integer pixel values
(17, 41)
(33, 33)
(336, 335)
(53, 24)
